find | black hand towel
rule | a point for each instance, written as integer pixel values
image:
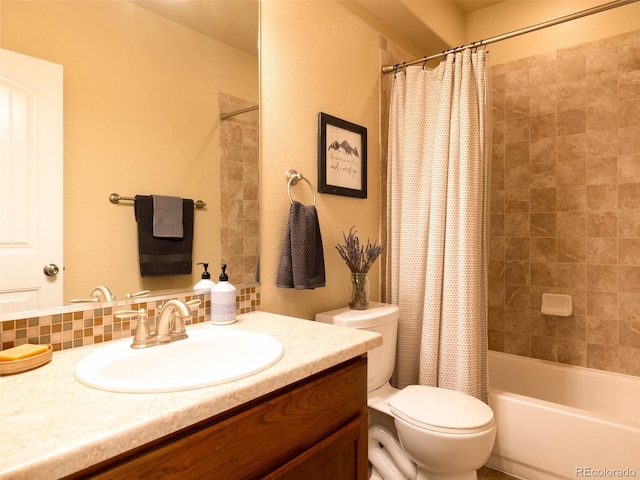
(163, 256)
(302, 260)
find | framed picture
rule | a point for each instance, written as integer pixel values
(342, 157)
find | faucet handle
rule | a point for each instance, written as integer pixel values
(193, 303)
(143, 337)
(178, 331)
(129, 313)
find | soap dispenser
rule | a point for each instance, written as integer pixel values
(223, 300)
(205, 283)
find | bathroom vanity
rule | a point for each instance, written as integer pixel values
(304, 417)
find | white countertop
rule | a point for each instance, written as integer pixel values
(53, 426)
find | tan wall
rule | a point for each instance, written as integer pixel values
(316, 56)
(140, 117)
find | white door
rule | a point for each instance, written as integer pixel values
(30, 182)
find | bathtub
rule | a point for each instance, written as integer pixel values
(563, 422)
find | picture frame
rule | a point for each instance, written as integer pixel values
(342, 157)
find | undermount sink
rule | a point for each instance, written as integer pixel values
(210, 356)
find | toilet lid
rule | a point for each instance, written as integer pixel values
(441, 409)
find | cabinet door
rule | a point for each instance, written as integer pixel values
(342, 455)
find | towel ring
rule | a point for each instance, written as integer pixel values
(294, 177)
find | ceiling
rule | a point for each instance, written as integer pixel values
(235, 22)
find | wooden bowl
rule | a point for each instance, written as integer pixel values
(9, 367)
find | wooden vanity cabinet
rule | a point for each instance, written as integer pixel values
(313, 429)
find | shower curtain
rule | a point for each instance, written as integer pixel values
(437, 196)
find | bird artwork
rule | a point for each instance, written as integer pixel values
(348, 149)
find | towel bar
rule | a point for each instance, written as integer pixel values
(294, 177)
(115, 199)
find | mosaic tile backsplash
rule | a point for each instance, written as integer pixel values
(87, 326)
(565, 204)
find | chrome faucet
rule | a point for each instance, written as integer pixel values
(170, 325)
(96, 294)
(104, 291)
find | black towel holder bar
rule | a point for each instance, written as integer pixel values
(294, 177)
(115, 199)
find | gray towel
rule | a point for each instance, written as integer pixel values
(302, 259)
(167, 217)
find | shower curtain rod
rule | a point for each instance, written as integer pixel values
(224, 116)
(515, 33)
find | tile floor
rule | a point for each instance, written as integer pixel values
(486, 473)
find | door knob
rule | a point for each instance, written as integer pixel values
(51, 270)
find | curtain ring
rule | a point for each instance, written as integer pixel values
(294, 177)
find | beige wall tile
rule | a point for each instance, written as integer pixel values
(542, 249)
(571, 250)
(602, 197)
(602, 278)
(570, 224)
(571, 199)
(630, 334)
(516, 177)
(516, 249)
(629, 306)
(572, 147)
(516, 273)
(629, 196)
(602, 250)
(629, 251)
(629, 223)
(542, 199)
(516, 153)
(544, 348)
(516, 200)
(543, 274)
(572, 121)
(572, 352)
(629, 140)
(572, 168)
(602, 224)
(542, 175)
(573, 327)
(628, 168)
(540, 324)
(542, 224)
(602, 143)
(572, 275)
(602, 171)
(516, 105)
(629, 279)
(572, 70)
(573, 172)
(543, 150)
(516, 225)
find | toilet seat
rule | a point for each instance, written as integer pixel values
(441, 410)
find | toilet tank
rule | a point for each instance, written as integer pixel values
(381, 318)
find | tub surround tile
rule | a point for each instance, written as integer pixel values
(579, 138)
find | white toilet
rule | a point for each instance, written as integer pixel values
(448, 434)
